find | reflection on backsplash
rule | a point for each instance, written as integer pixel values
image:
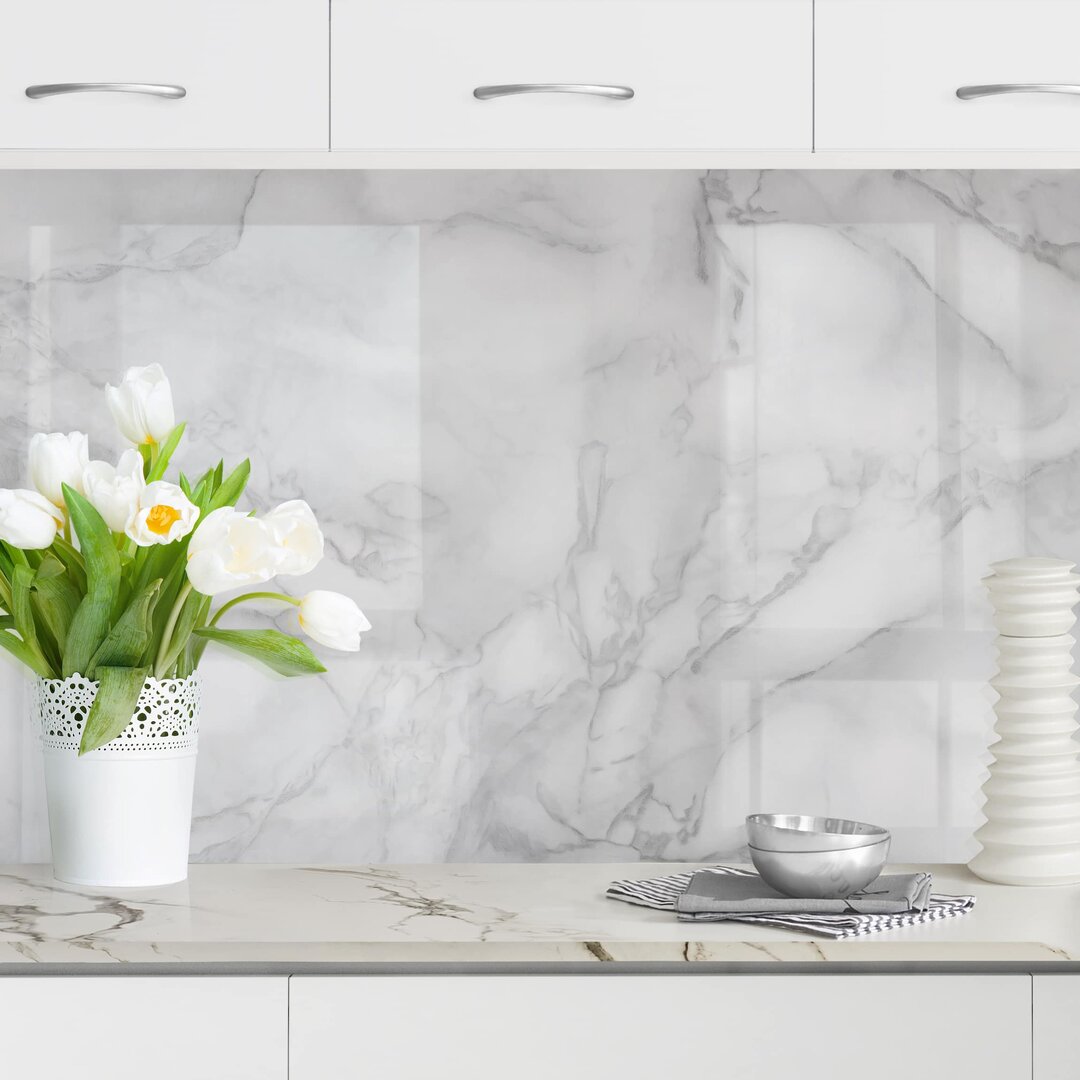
(668, 494)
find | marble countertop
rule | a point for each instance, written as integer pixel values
(476, 914)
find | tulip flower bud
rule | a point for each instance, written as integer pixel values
(333, 620)
(56, 460)
(298, 536)
(231, 550)
(114, 490)
(142, 404)
(28, 520)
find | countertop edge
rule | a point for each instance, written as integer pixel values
(319, 969)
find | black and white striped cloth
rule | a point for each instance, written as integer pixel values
(662, 892)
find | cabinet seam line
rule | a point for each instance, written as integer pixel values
(329, 75)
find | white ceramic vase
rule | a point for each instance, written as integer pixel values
(1032, 830)
(120, 815)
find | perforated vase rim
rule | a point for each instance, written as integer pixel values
(165, 722)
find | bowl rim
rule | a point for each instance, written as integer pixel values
(816, 823)
(820, 851)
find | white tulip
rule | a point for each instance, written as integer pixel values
(58, 459)
(114, 491)
(163, 514)
(142, 404)
(231, 550)
(28, 520)
(332, 619)
(298, 535)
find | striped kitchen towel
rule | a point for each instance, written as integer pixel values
(662, 892)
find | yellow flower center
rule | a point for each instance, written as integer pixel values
(161, 518)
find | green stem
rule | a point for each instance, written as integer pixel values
(253, 596)
(194, 648)
(167, 633)
(125, 545)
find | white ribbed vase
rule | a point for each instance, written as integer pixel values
(120, 815)
(1032, 830)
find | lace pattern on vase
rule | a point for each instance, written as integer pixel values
(166, 718)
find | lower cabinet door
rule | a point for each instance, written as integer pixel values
(641, 1027)
(128, 1027)
(1056, 1018)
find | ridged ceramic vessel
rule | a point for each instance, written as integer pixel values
(1032, 830)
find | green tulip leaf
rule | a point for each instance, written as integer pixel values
(13, 555)
(282, 652)
(22, 611)
(49, 567)
(165, 453)
(6, 563)
(91, 622)
(132, 634)
(206, 480)
(23, 653)
(186, 621)
(197, 646)
(229, 490)
(117, 696)
(202, 493)
(5, 589)
(73, 562)
(55, 598)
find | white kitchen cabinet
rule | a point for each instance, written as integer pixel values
(1056, 1030)
(135, 1028)
(887, 73)
(255, 72)
(640, 1027)
(706, 74)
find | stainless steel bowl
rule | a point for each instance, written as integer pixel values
(821, 874)
(798, 832)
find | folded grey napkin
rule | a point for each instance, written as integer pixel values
(723, 894)
(663, 894)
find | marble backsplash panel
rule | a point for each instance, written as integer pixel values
(668, 493)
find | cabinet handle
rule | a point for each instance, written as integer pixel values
(164, 90)
(968, 93)
(616, 93)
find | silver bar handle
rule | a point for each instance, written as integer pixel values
(162, 90)
(615, 93)
(969, 93)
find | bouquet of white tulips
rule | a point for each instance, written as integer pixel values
(110, 571)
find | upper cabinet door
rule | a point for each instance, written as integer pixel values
(888, 72)
(571, 74)
(184, 74)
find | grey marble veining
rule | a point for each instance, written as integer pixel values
(668, 493)
(280, 916)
